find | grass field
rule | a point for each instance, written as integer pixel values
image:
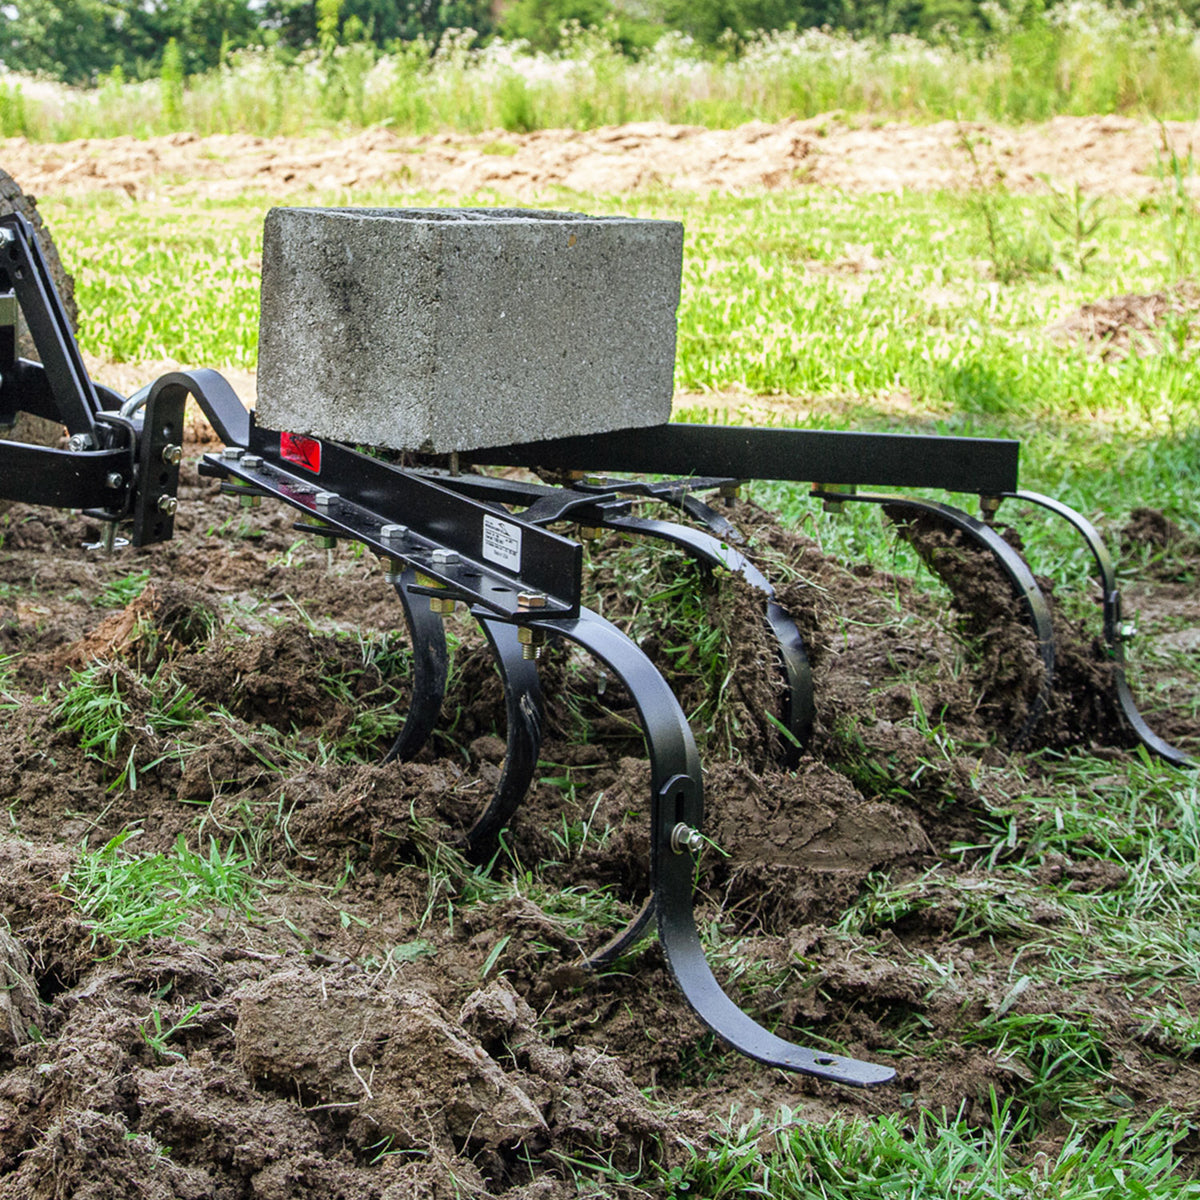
(898, 312)
(922, 311)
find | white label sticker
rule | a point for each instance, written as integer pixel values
(502, 543)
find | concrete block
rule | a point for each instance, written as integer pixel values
(459, 329)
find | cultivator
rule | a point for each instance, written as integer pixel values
(450, 537)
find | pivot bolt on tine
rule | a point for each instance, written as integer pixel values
(686, 838)
(531, 599)
(532, 641)
(252, 462)
(393, 569)
(172, 455)
(445, 558)
(78, 442)
(114, 479)
(390, 534)
(1127, 630)
(168, 505)
(326, 501)
(589, 533)
(232, 453)
(729, 492)
(442, 606)
(988, 507)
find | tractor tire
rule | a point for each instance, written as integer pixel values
(36, 430)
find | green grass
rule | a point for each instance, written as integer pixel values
(938, 1157)
(124, 897)
(776, 301)
(98, 704)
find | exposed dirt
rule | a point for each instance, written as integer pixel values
(1114, 155)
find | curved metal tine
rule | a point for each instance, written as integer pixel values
(624, 941)
(523, 708)
(430, 665)
(1114, 637)
(1015, 569)
(798, 706)
(677, 811)
(708, 516)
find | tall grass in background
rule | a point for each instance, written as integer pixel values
(1079, 58)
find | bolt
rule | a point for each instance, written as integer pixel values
(172, 456)
(393, 569)
(326, 501)
(252, 462)
(1126, 630)
(729, 492)
(114, 480)
(445, 558)
(440, 605)
(988, 507)
(531, 599)
(593, 480)
(6, 236)
(684, 837)
(393, 533)
(532, 641)
(167, 505)
(79, 442)
(589, 533)
(232, 453)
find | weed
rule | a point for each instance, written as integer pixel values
(1177, 208)
(1078, 217)
(157, 1038)
(1034, 63)
(1015, 255)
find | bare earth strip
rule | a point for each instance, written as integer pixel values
(1111, 155)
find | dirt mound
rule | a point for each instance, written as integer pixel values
(1115, 328)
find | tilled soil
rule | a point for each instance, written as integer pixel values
(385, 1024)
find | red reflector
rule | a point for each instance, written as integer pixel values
(303, 451)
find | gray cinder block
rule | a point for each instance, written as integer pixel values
(458, 329)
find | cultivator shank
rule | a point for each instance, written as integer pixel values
(486, 543)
